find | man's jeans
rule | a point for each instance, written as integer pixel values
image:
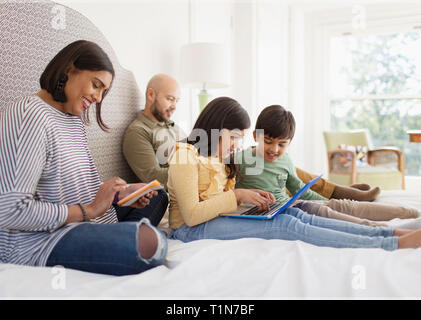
(154, 211)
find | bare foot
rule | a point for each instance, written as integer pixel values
(402, 232)
(410, 240)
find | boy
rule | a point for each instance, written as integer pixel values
(275, 128)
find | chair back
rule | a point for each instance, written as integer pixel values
(333, 139)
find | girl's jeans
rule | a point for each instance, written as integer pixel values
(293, 224)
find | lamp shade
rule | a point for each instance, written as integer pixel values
(204, 65)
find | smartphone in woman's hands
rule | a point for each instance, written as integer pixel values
(139, 193)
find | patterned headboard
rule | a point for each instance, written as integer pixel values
(31, 34)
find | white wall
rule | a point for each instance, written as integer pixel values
(147, 36)
(260, 55)
(210, 21)
(244, 58)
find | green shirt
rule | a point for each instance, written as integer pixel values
(274, 177)
(147, 145)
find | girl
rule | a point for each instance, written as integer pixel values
(201, 187)
(49, 186)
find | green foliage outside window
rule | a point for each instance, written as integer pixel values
(382, 65)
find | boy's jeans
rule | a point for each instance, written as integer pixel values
(293, 224)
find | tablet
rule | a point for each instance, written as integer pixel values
(134, 196)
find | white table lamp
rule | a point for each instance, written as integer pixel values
(205, 66)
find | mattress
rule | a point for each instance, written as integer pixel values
(245, 268)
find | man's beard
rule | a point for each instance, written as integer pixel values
(156, 113)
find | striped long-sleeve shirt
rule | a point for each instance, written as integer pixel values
(45, 166)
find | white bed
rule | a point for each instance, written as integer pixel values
(246, 268)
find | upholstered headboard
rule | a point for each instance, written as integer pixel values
(31, 33)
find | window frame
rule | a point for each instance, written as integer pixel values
(333, 23)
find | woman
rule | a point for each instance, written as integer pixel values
(49, 185)
(201, 187)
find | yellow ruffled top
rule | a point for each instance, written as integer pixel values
(198, 186)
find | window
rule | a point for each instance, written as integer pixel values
(375, 83)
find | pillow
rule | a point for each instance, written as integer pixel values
(361, 154)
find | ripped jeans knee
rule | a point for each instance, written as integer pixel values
(151, 251)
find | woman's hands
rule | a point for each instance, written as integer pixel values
(104, 199)
(262, 199)
(105, 196)
(141, 202)
(106, 193)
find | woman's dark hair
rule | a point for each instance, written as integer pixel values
(220, 113)
(81, 55)
(276, 122)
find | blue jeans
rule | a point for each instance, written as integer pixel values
(154, 211)
(106, 248)
(293, 224)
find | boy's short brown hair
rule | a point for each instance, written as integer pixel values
(276, 122)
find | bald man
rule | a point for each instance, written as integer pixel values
(151, 136)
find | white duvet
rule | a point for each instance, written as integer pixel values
(246, 268)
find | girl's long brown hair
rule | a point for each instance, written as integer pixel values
(220, 113)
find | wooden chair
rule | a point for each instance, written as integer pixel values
(352, 159)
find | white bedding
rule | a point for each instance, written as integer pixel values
(246, 268)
